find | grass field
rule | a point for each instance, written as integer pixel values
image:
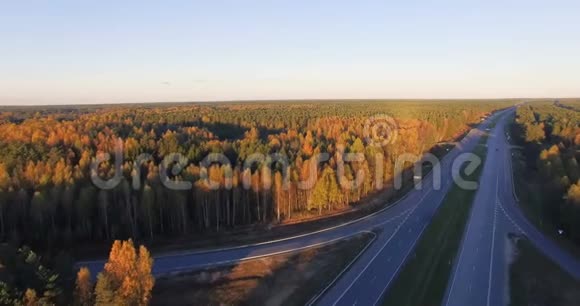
(424, 278)
(285, 279)
(536, 280)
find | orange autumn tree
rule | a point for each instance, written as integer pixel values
(47, 198)
(126, 278)
(83, 294)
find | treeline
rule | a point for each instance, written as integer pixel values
(27, 279)
(550, 135)
(47, 197)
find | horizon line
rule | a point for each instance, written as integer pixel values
(284, 100)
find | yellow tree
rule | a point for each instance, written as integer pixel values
(83, 288)
(573, 195)
(4, 177)
(278, 190)
(30, 298)
(126, 279)
(307, 147)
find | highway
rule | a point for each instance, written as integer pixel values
(369, 278)
(480, 273)
(398, 228)
(480, 270)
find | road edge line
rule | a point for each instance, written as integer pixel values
(323, 291)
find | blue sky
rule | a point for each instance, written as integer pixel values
(61, 52)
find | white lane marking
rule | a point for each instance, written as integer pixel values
(492, 242)
(231, 261)
(511, 220)
(401, 264)
(317, 296)
(469, 222)
(394, 218)
(511, 169)
(396, 230)
(379, 252)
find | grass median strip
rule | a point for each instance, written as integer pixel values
(285, 279)
(424, 277)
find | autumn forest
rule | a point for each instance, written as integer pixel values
(549, 134)
(48, 200)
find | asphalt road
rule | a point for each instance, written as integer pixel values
(369, 278)
(480, 271)
(480, 274)
(398, 229)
